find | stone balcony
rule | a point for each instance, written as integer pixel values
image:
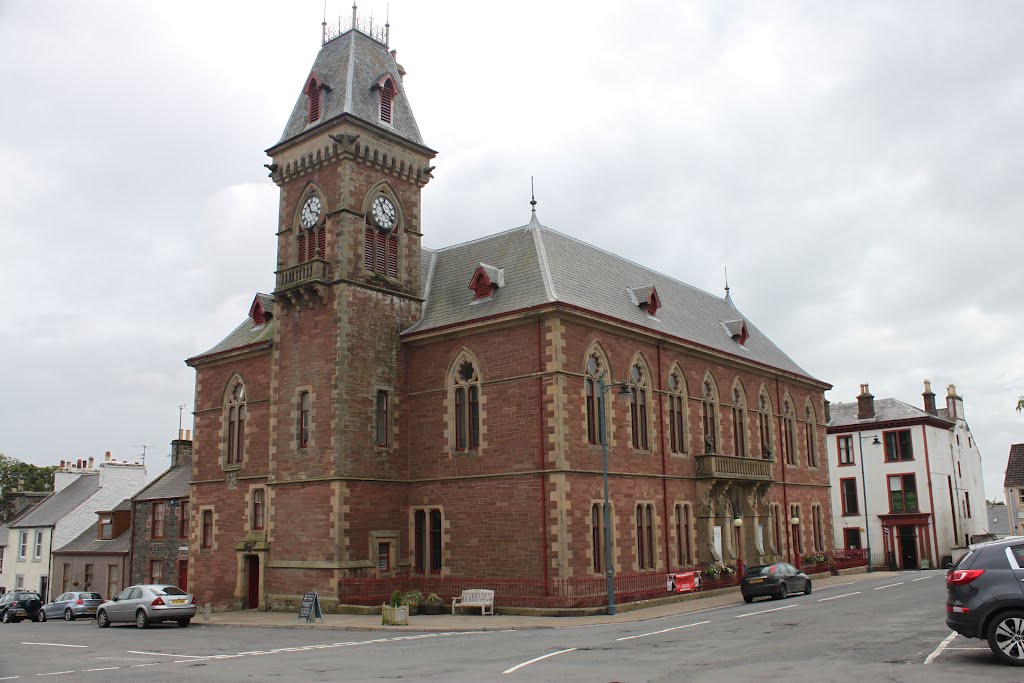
(731, 467)
(305, 283)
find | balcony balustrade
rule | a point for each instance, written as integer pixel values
(303, 283)
(715, 466)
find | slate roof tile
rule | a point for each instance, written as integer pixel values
(1015, 466)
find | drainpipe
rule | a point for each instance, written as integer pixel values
(540, 449)
(131, 547)
(934, 557)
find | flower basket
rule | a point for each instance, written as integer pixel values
(432, 604)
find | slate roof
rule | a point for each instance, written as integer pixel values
(886, 410)
(542, 266)
(174, 483)
(1015, 466)
(245, 334)
(57, 505)
(998, 520)
(86, 542)
(350, 66)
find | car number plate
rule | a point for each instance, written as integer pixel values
(178, 602)
(756, 580)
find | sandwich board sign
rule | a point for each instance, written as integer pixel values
(309, 611)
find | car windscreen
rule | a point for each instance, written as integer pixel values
(759, 570)
(91, 596)
(167, 590)
(963, 562)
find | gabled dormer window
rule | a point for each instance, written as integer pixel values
(387, 97)
(647, 299)
(486, 279)
(313, 90)
(737, 329)
(259, 314)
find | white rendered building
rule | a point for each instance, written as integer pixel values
(1013, 488)
(906, 482)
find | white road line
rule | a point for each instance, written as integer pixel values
(890, 585)
(537, 659)
(54, 645)
(9, 678)
(665, 630)
(942, 646)
(162, 654)
(836, 597)
(923, 578)
(750, 614)
(55, 673)
(138, 665)
(986, 649)
(107, 668)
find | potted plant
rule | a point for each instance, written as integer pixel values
(432, 604)
(395, 613)
(712, 572)
(412, 600)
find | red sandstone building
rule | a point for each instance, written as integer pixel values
(395, 411)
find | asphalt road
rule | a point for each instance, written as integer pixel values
(882, 629)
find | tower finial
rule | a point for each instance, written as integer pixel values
(387, 25)
(323, 37)
(533, 199)
(353, 13)
(726, 281)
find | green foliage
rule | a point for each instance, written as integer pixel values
(396, 598)
(412, 598)
(33, 478)
(817, 558)
(433, 599)
(1020, 404)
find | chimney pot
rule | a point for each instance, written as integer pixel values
(929, 399)
(90, 463)
(108, 456)
(865, 404)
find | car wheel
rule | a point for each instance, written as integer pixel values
(807, 588)
(69, 615)
(1006, 637)
(42, 615)
(6, 618)
(183, 622)
(102, 620)
(783, 592)
(748, 598)
(141, 620)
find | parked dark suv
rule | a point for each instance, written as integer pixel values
(985, 597)
(17, 605)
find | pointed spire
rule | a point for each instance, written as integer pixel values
(533, 200)
(353, 13)
(727, 298)
(387, 26)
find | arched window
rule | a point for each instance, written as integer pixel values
(684, 534)
(236, 424)
(788, 436)
(645, 535)
(313, 95)
(466, 389)
(812, 442)
(677, 412)
(380, 237)
(764, 425)
(312, 235)
(638, 406)
(598, 547)
(709, 408)
(595, 371)
(739, 422)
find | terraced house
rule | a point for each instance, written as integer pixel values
(397, 413)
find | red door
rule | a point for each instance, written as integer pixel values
(253, 570)
(183, 575)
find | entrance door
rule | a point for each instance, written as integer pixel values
(908, 547)
(183, 575)
(43, 585)
(252, 566)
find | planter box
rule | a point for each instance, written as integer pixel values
(433, 609)
(394, 616)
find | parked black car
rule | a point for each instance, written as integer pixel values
(17, 605)
(985, 597)
(777, 580)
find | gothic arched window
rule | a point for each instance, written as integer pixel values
(595, 371)
(764, 424)
(466, 390)
(812, 442)
(739, 422)
(677, 412)
(638, 406)
(380, 236)
(387, 97)
(788, 435)
(235, 424)
(710, 409)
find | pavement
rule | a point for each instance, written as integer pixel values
(502, 622)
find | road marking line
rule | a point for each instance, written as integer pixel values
(152, 664)
(108, 668)
(54, 645)
(969, 648)
(923, 578)
(163, 654)
(537, 659)
(666, 630)
(9, 678)
(55, 673)
(750, 614)
(890, 585)
(942, 646)
(836, 597)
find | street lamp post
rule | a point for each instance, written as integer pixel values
(864, 489)
(609, 569)
(738, 523)
(795, 521)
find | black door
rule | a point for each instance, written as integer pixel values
(908, 547)
(253, 570)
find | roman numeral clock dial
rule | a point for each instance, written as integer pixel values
(383, 213)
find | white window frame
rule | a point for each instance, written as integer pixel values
(37, 547)
(23, 546)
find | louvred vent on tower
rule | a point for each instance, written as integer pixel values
(386, 93)
(313, 89)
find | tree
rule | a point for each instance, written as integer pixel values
(31, 477)
(1020, 404)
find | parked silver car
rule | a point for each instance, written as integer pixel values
(70, 606)
(146, 604)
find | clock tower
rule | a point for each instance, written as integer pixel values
(350, 166)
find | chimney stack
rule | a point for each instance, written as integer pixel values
(108, 456)
(90, 463)
(929, 399)
(954, 404)
(865, 404)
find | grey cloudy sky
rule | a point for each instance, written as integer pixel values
(854, 165)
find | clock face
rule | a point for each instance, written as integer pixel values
(383, 212)
(310, 212)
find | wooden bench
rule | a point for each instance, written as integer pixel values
(475, 597)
